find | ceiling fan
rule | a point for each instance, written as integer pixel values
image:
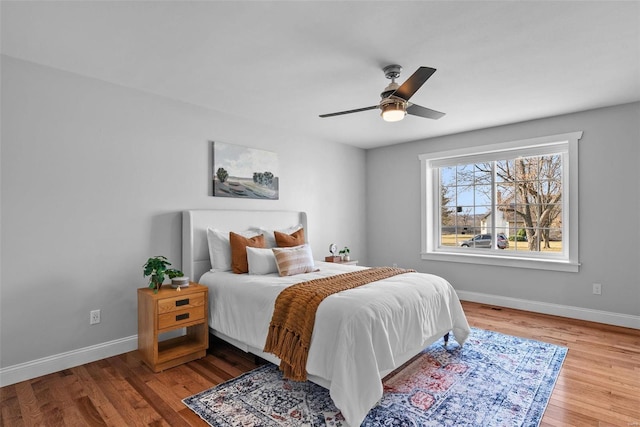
(395, 98)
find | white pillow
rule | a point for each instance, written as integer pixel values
(294, 260)
(220, 248)
(261, 261)
(269, 237)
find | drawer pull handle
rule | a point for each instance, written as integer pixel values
(182, 316)
(182, 302)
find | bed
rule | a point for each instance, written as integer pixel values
(360, 335)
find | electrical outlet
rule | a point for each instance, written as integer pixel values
(94, 317)
(597, 289)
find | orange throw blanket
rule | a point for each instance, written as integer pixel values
(294, 315)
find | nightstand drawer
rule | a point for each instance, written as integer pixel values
(181, 303)
(175, 319)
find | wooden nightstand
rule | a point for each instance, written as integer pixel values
(351, 262)
(166, 311)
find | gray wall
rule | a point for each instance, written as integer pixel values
(609, 206)
(94, 177)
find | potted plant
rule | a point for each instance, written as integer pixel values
(345, 254)
(157, 268)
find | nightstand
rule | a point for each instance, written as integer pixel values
(351, 262)
(168, 310)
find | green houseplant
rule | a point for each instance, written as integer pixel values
(157, 268)
(345, 253)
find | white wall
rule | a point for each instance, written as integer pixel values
(609, 206)
(94, 177)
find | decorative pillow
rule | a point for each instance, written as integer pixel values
(220, 248)
(269, 238)
(261, 261)
(239, 243)
(295, 260)
(289, 240)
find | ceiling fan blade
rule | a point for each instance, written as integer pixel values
(413, 83)
(417, 110)
(349, 111)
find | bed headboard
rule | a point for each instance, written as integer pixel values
(195, 249)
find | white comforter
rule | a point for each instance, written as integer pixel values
(360, 335)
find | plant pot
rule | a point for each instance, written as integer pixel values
(155, 285)
(346, 258)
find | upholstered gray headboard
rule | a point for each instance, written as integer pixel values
(195, 249)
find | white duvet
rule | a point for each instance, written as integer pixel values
(360, 335)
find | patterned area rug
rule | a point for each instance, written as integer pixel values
(493, 380)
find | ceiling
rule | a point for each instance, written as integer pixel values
(281, 64)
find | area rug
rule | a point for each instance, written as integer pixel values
(493, 380)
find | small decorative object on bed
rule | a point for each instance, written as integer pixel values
(286, 240)
(244, 172)
(157, 268)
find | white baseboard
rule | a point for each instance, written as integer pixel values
(48, 365)
(607, 317)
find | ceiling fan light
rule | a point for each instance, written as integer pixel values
(393, 112)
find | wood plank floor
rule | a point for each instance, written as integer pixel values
(599, 384)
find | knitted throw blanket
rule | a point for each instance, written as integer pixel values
(294, 315)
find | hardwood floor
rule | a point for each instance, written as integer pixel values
(599, 384)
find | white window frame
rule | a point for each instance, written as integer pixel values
(431, 162)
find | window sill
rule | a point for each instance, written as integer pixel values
(503, 261)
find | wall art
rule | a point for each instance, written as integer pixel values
(244, 172)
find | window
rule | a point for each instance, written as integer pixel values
(525, 193)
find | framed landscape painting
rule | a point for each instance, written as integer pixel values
(244, 172)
